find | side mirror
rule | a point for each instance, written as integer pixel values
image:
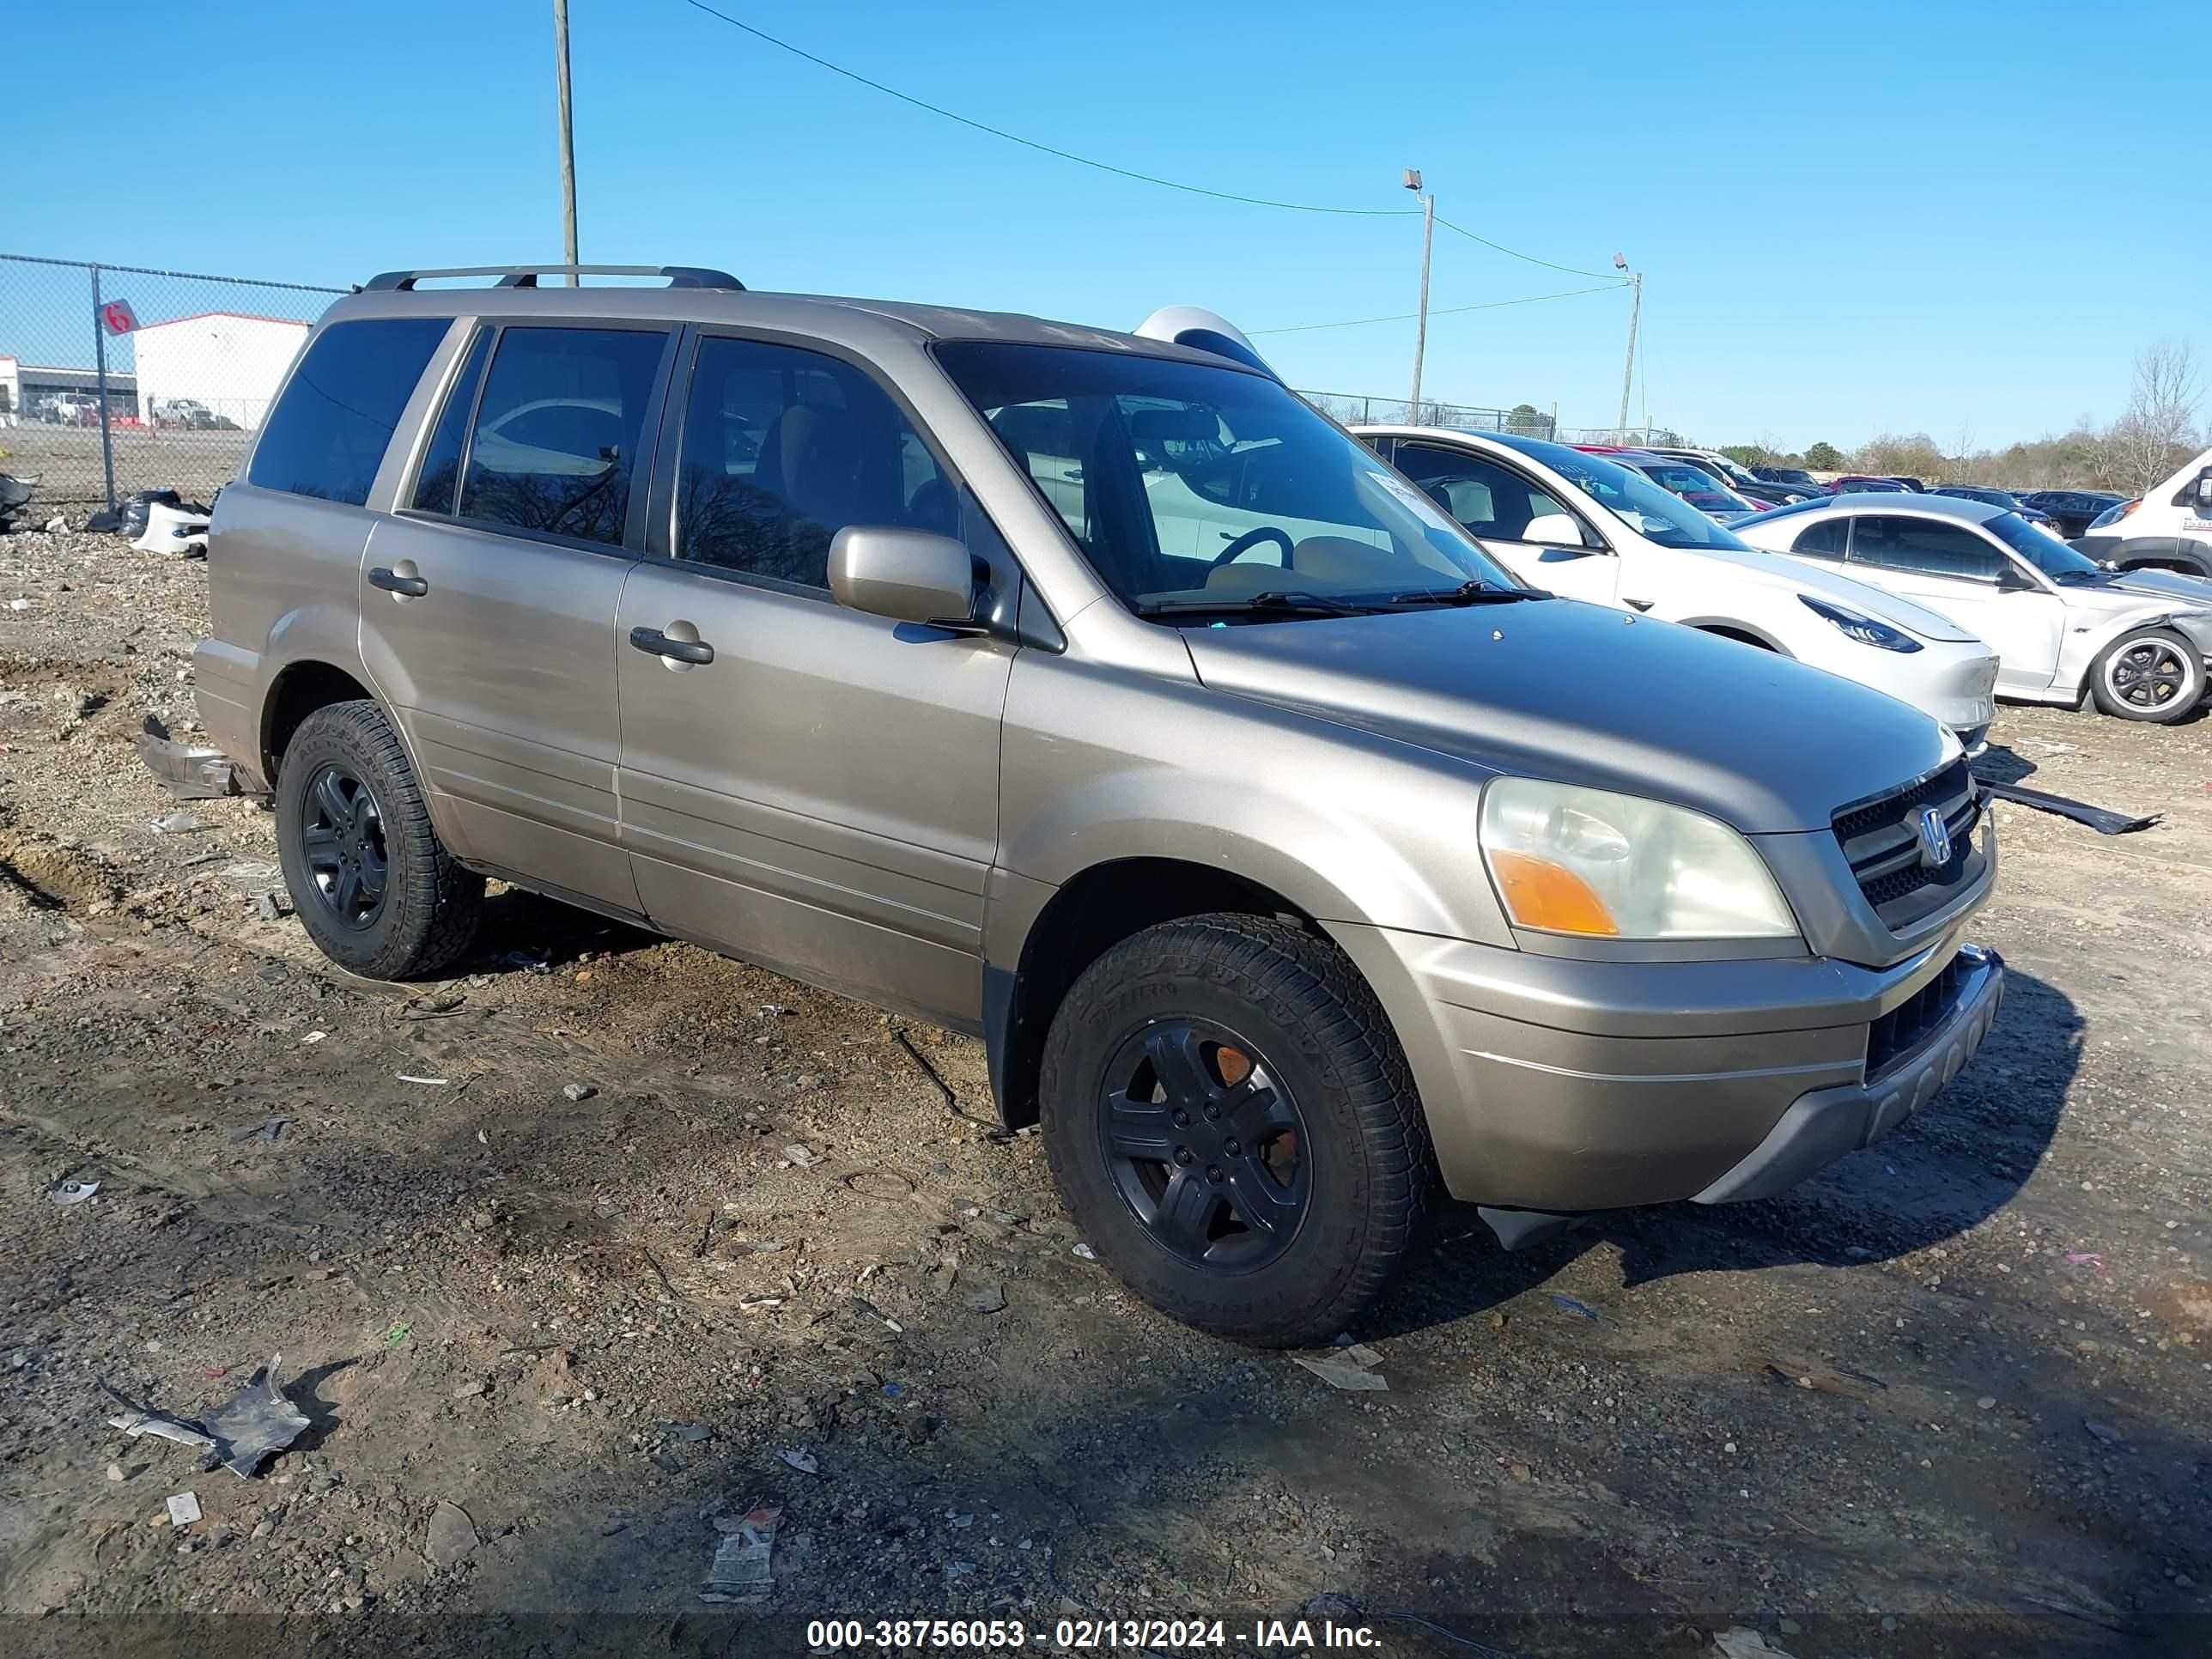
(1554, 530)
(2204, 490)
(2011, 578)
(908, 576)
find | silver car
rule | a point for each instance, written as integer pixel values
(1284, 850)
(2136, 642)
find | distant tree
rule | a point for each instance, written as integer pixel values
(1749, 454)
(1913, 454)
(1526, 418)
(1824, 457)
(2157, 432)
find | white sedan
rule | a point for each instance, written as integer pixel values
(2135, 640)
(1586, 529)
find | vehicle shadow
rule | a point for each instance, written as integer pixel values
(526, 932)
(1946, 1169)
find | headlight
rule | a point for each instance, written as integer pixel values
(1589, 862)
(1865, 629)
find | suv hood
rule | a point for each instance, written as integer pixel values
(1774, 570)
(1582, 694)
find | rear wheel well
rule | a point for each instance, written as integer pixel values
(1084, 920)
(2180, 563)
(300, 691)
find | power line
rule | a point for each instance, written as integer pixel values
(1043, 148)
(1571, 271)
(1448, 311)
(938, 110)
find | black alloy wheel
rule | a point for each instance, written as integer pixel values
(342, 838)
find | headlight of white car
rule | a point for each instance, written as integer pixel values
(1566, 860)
(1865, 629)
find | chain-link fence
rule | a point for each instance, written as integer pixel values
(1354, 409)
(115, 379)
(1631, 437)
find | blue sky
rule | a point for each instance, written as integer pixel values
(1880, 220)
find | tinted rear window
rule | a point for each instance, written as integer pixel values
(329, 431)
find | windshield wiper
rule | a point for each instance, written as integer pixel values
(1274, 602)
(1474, 592)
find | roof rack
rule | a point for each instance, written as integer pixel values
(403, 281)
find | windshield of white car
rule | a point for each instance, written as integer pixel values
(2044, 550)
(1202, 492)
(1655, 513)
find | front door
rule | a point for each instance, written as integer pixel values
(1955, 570)
(803, 785)
(488, 599)
(1542, 541)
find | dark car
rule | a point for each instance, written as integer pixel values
(1796, 477)
(2073, 510)
(2003, 498)
(1852, 482)
(1909, 481)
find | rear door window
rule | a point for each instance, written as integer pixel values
(555, 447)
(1489, 499)
(1924, 547)
(1825, 540)
(327, 435)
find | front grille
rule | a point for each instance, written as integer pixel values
(1881, 839)
(1899, 1033)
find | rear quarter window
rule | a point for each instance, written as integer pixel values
(327, 436)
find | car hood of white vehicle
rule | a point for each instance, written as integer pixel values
(1774, 571)
(2169, 586)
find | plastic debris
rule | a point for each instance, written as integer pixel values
(1086, 1252)
(312, 1038)
(74, 1192)
(269, 1129)
(801, 1461)
(188, 772)
(1574, 1305)
(184, 1508)
(801, 1154)
(404, 1077)
(397, 1335)
(2102, 819)
(238, 1434)
(1343, 1373)
(740, 1569)
(1741, 1642)
(178, 823)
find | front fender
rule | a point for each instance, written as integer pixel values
(1101, 765)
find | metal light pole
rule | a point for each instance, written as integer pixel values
(567, 135)
(1635, 316)
(1421, 328)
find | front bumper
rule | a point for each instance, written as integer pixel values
(1558, 1084)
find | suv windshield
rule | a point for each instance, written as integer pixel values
(1189, 487)
(2043, 549)
(1653, 513)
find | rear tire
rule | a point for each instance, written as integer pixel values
(2153, 674)
(1285, 1236)
(373, 884)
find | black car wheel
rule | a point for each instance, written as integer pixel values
(1232, 1124)
(373, 886)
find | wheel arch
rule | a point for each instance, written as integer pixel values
(298, 689)
(1078, 922)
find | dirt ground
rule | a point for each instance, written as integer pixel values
(562, 1255)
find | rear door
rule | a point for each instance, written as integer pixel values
(1544, 541)
(810, 789)
(1955, 570)
(488, 598)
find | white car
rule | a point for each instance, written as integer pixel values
(1582, 527)
(2135, 640)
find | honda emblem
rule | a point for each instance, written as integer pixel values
(1935, 839)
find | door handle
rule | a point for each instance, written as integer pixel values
(392, 582)
(653, 642)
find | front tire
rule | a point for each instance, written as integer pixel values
(371, 882)
(1231, 1122)
(2153, 674)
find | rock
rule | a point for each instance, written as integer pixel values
(578, 1090)
(115, 1472)
(2103, 1433)
(263, 1528)
(987, 1298)
(1740, 1642)
(452, 1535)
(266, 908)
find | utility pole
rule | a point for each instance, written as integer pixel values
(1635, 316)
(1421, 328)
(568, 137)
